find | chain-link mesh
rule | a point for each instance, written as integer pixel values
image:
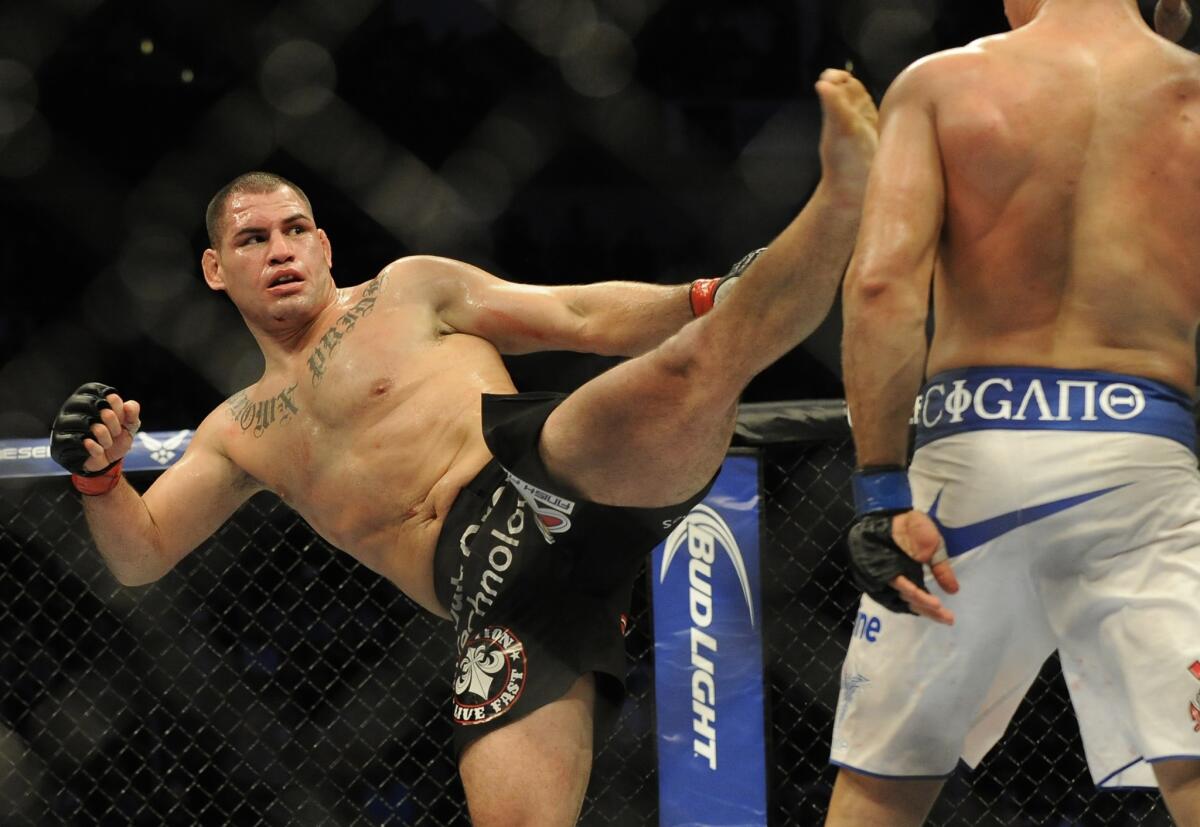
(268, 680)
(272, 681)
(1036, 775)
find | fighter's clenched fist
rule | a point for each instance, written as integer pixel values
(91, 435)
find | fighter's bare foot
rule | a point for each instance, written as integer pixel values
(850, 133)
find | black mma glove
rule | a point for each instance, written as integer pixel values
(880, 493)
(74, 422)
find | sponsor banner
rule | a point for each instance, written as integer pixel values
(152, 451)
(708, 659)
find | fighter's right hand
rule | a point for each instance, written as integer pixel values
(890, 544)
(94, 430)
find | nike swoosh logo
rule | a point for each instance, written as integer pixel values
(961, 539)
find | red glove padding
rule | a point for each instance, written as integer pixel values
(704, 291)
(703, 295)
(101, 483)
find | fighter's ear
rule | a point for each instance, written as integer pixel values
(212, 269)
(327, 247)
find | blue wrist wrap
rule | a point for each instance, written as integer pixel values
(881, 491)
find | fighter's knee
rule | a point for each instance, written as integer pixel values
(697, 359)
(527, 809)
(506, 818)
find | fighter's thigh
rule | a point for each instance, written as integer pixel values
(918, 695)
(1128, 623)
(639, 435)
(535, 770)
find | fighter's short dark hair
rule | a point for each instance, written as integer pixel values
(256, 182)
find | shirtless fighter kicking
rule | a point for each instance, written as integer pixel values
(385, 417)
(1046, 182)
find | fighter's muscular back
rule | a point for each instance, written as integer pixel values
(371, 430)
(1071, 154)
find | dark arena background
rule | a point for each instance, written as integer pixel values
(268, 680)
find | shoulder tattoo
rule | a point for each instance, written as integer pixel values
(258, 416)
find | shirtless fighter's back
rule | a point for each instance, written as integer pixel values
(367, 421)
(1047, 183)
(1071, 153)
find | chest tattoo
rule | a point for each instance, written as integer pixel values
(323, 352)
(264, 413)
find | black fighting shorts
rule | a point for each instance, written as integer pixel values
(536, 579)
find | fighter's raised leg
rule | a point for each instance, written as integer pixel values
(653, 430)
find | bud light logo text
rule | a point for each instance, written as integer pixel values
(708, 658)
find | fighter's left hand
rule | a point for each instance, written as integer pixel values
(918, 536)
(888, 552)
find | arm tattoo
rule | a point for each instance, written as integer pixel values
(333, 336)
(264, 413)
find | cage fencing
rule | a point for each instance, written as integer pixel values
(270, 680)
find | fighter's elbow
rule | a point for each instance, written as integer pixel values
(870, 289)
(139, 571)
(133, 577)
(866, 288)
(879, 294)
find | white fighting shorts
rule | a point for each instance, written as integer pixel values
(1070, 506)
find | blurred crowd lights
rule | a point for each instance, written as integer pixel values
(289, 100)
(25, 138)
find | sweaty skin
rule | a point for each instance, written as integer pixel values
(1070, 236)
(388, 427)
(366, 420)
(1046, 184)
(367, 417)
(1058, 227)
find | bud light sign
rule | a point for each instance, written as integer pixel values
(708, 659)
